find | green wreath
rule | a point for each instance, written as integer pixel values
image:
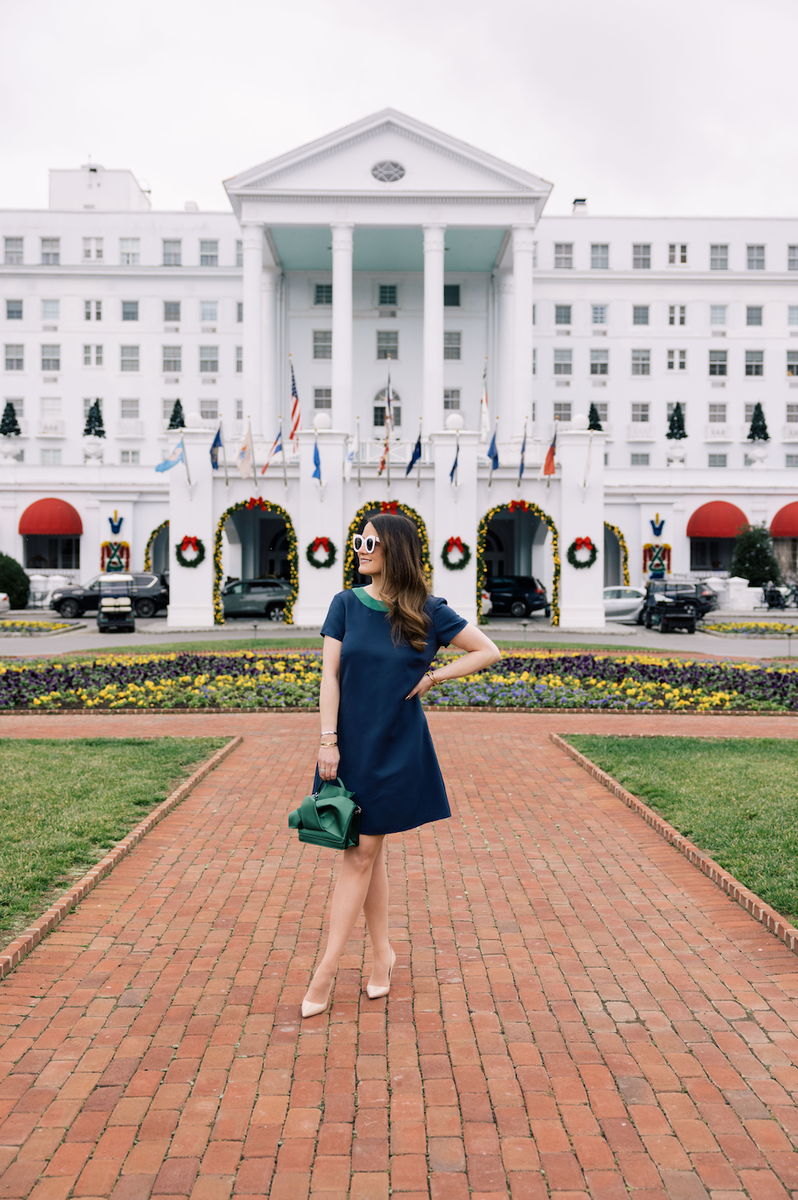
(463, 547)
(312, 547)
(181, 546)
(581, 564)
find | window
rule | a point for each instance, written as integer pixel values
(172, 252)
(641, 362)
(599, 256)
(239, 410)
(129, 410)
(129, 252)
(87, 356)
(51, 251)
(208, 311)
(641, 256)
(239, 360)
(51, 458)
(209, 359)
(791, 460)
(598, 314)
(322, 293)
(753, 316)
(677, 314)
(792, 314)
(717, 414)
(792, 258)
(322, 343)
(97, 310)
(717, 460)
(451, 345)
(451, 295)
(677, 356)
(599, 362)
(387, 344)
(562, 314)
(51, 358)
(92, 249)
(749, 412)
(322, 398)
(50, 310)
(387, 295)
(534, 361)
(564, 255)
(130, 310)
(131, 457)
(171, 311)
(792, 362)
(717, 314)
(755, 258)
(677, 254)
(129, 358)
(451, 399)
(717, 362)
(718, 258)
(209, 254)
(603, 410)
(13, 255)
(379, 410)
(534, 314)
(15, 359)
(239, 311)
(639, 460)
(640, 413)
(239, 254)
(562, 410)
(172, 360)
(209, 410)
(562, 362)
(672, 404)
(755, 362)
(792, 414)
(13, 310)
(18, 405)
(640, 314)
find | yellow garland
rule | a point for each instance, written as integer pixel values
(151, 543)
(482, 533)
(293, 558)
(624, 550)
(374, 509)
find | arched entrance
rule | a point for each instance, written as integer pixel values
(351, 576)
(784, 531)
(511, 539)
(266, 537)
(616, 556)
(712, 530)
(156, 552)
(51, 531)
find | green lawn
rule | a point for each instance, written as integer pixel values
(64, 804)
(736, 798)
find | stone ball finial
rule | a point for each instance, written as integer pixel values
(454, 421)
(580, 422)
(322, 420)
(193, 420)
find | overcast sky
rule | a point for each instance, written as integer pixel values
(642, 107)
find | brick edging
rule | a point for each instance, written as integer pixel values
(13, 954)
(428, 708)
(752, 904)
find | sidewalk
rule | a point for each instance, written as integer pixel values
(577, 1012)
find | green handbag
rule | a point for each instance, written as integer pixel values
(329, 817)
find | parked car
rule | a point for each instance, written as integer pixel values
(149, 592)
(485, 605)
(624, 603)
(518, 595)
(694, 595)
(5, 603)
(256, 597)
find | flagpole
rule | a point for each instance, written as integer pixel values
(185, 460)
(224, 453)
(418, 469)
(457, 460)
(358, 452)
(252, 452)
(282, 451)
(490, 474)
(523, 452)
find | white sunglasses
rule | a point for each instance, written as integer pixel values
(359, 542)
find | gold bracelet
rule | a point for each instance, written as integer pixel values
(432, 677)
(327, 745)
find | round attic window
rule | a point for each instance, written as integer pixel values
(388, 172)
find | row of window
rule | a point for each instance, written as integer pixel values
(129, 310)
(387, 295)
(129, 251)
(641, 256)
(677, 314)
(713, 460)
(387, 344)
(676, 360)
(641, 413)
(129, 409)
(129, 358)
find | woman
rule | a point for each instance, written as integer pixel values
(379, 642)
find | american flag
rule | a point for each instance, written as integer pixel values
(296, 414)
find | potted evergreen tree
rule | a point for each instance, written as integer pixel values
(94, 431)
(593, 419)
(177, 420)
(753, 557)
(759, 430)
(9, 425)
(676, 429)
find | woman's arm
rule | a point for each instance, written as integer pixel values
(480, 652)
(329, 697)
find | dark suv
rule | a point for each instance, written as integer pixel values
(150, 594)
(693, 595)
(518, 595)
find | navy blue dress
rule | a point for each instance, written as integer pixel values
(387, 756)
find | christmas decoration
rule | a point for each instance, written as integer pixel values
(624, 550)
(676, 429)
(151, 543)
(371, 510)
(293, 558)
(115, 556)
(94, 422)
(657, 559)
(190, 543)
(9, 425)
(593, 419)
(753, 557)
(177, 420)
(582, 564)
(456, 543)
(482, 533)
(329, 549)
(759, 430)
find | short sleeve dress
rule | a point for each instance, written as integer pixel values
(387, 756)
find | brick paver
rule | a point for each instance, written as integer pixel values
(576, 1011)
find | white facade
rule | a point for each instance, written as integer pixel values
(339, 265)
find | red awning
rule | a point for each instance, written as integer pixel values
(53, 517)
(785, 522)
(718, 519)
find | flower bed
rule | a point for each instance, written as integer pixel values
(752, 628)
(32, 627)
(532, 679)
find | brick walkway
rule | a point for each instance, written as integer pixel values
(576, 1011)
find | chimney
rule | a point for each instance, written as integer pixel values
(580, 208)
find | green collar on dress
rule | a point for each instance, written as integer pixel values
(369, 601)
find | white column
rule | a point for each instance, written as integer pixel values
(523, 246)
(581, 458)
(270, 405)
(432, 391)
(502, 405)
(252, 239)
(342, 327)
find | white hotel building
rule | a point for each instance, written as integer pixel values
(390, 240)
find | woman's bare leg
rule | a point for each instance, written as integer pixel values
(375, 910)
(349, 897)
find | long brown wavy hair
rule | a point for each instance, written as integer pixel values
(403, 586)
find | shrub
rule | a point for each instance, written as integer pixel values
(14, 581)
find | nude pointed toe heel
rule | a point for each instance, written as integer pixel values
(374, 993)
(309, 1009)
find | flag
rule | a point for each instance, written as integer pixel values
(453, 472)
(522, 464)
(316, 462)
(174, 458)
(296, 414)
(244, 460)
(484, 419)
(386, 450)
(216, 446)
(388, 407)
(277, 448)
(415, 456)
(353, 455)
(493, 453)
(548, 466)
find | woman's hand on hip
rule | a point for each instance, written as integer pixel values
(422, 687)
(328, 762)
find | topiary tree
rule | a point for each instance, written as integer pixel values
(676, 429)
(593, 419)
(9, 425)
(177, 420)
(94, 422)
(759, 430)
(14, 581)
(753, 557)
